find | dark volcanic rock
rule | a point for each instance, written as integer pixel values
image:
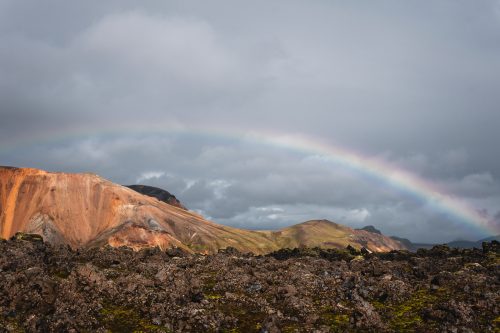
(493, 246)
(55, 289)
(157, 193)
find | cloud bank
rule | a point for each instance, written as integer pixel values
(88, 86)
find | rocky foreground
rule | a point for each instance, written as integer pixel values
(55, 289)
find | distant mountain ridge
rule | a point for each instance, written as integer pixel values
(413, 246)
(464, 244)
(85, 210)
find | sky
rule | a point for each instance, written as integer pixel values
(183, 94)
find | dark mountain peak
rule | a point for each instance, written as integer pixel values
(157, 193)
(371, 229)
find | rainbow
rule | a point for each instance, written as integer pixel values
(374, 167)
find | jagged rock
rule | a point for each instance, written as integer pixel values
(230, 250)
(352, 250)
(493, 246)
(364, 251)
(49, 288)
(254, 287)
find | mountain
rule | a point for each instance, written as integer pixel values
(85, 210)
(461, 244)
(328, 234)
(371, 229)
(157, 193)
(413, 246)
(465, 244)
(409, 245)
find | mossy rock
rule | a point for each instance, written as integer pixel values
(10, 324)
(406, 316)
(60, 272)
(212, 296)
(336, 321)
(249, 320)
(199, 248)
(28, 237)
(118, 319)
(496, 325)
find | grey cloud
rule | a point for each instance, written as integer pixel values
(414, 84)
(476, 186)
(234, 185)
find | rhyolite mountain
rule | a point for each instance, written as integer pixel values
(85, 210)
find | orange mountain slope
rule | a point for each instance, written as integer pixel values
(86, 210)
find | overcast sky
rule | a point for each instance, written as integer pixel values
(415, 83)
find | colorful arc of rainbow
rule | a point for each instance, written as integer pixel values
(390, 174)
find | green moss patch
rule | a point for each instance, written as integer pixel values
(59, 272)
(208, 287)
(406, 316)
(496, 325)
(249, 319)
(118, 319)
(336, 321)
(10, 324)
